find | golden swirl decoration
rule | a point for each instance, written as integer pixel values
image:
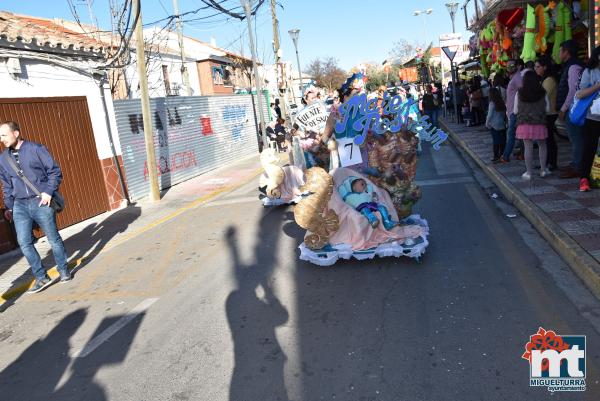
(311, 212)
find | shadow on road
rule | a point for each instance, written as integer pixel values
(90, 241)
(87, 243)
(253, 312)
(36, 374)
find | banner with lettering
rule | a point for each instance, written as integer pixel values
(313, 117)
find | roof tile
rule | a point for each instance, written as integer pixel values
(44, 32)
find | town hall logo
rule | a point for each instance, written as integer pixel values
(556, 362)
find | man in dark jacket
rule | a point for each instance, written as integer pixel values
(24, 206)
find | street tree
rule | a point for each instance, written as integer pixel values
(326, 73)
(402, 51)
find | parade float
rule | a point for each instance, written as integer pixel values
(363, 208)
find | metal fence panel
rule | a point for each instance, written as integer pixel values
(192, 135)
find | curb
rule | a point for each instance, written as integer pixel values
(579, 260)
(73, 264)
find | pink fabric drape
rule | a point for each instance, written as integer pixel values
(354, 227)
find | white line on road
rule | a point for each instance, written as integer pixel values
(112, 329)
(443, 181)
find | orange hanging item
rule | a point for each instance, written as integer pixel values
(543, 25)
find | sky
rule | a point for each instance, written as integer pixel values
(352, 31)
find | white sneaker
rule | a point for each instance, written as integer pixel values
(526, 176)
(545, 172)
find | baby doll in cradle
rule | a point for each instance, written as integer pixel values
(364, 200)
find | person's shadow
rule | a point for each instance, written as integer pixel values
(81, 385)
(253, 313)
(85, 245)
(90, 241)
(36, 373)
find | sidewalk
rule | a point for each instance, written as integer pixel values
(87, 239)
(568, 219)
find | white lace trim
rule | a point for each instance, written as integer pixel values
(412, 248)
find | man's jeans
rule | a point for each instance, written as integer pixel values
(510, 136)
(576, 137)
(25, 212)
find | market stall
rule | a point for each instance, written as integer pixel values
(509, 29)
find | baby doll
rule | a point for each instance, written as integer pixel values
(367, 203)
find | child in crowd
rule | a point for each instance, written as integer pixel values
(466, 112)
(366, 203)
(531, 105)
(496, 122)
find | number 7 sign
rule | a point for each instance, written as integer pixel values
(349, 152)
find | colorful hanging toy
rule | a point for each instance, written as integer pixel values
(559, 31)
(543, 28)
(567, 22)
(528, 53)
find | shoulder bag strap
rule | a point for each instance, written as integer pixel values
(20, 173)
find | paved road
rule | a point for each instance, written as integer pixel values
(214, 305)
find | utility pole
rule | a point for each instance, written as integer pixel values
(148, 137)
(246, 6)
(184, 71)
(277, 51)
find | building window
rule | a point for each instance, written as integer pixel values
(227, 77)
(217, 75)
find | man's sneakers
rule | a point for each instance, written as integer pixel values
(66, 276)
(584, 185)
(39, 285)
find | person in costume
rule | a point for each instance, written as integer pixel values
(353, 86)
(364, 200)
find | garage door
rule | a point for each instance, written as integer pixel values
(63, 125)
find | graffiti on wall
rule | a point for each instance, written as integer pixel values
(234, 118)
(191, 135)
(177, 161)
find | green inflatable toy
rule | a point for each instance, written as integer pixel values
(567, 22)
(528, 53)
(559, 33)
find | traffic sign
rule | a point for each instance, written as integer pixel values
(450, 51)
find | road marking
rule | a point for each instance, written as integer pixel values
(113, 329)
(444, 181)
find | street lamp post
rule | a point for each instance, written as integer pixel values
(452, 8)
(424, 13)
(246, 5)
(294, 35)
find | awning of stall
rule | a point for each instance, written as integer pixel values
(494, 8)
(468, 63)
(472, 66)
